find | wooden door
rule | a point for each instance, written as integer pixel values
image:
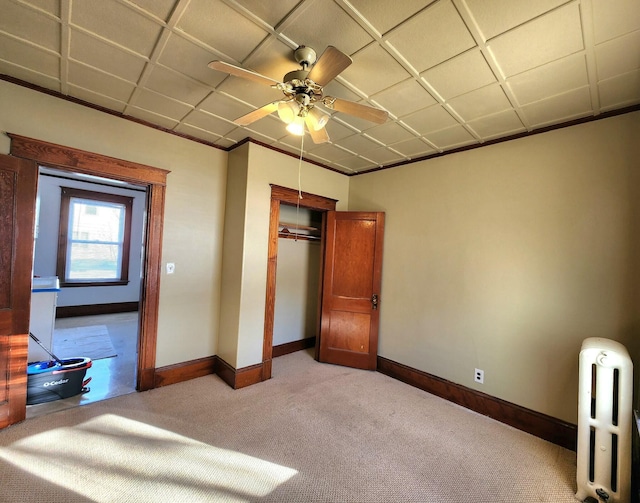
(351, 289)
(18, 179)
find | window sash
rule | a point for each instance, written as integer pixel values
(90, 255)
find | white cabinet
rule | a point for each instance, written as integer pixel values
(44, 296)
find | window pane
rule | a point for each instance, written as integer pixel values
(93, 261)
(96, 221)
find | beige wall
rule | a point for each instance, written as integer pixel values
(195, 200)
(265, 167)
(506, 257)
(502, 258)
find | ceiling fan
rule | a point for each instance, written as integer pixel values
(302, 91)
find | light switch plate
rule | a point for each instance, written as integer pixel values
(171, 268)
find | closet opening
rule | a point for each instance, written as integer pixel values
(293, 215)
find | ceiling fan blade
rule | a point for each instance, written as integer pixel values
(357, 110)
(261, 112)
(331, 63)
(318, 136)
(241, 72)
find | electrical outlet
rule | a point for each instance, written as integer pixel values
(171, 268)
(479, 376)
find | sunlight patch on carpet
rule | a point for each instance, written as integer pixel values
(87, 342)
(110, 458)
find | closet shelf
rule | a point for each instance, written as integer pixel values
(303, 232)
(290, 226)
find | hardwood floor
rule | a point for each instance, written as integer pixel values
(110, 377)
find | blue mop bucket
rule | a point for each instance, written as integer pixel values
(55, 379)
(52, 380)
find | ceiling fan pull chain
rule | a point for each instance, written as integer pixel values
(299, 184)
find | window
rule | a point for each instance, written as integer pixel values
(93, 244)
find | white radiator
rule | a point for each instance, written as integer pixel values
(605, 398)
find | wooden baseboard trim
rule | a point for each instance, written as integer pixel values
(95, 309)
(238, 378)
(635, 458)
(180, 372)
(292, 347)
(546, 427)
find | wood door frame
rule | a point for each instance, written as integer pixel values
(154, 179)
(292, 197)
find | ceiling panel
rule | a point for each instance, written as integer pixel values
(26, 55)
(567, 106)
(617, 56)
(460, 75)
(319, 24)
(175, 85)
(500, 124)
(439, 28)
(151, 117)
(550, 79)
(389, 133)
(217, 25)
(365, 73)
(404, 98)
(108, 57)
(448, 72)
(481, 102)
(452, 137)
(118, 23)
(429, 119)
(152, 101)
(27, 75)
(497, 16)
(91, 79)
(620, 91)
(30, 25)
(50, 6)
(545, 39)
(613, 18)
(412, 148)
(383, 15)
(159, 8)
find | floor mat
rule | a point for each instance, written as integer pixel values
(87, 342)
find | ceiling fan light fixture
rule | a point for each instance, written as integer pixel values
(296, 127)
(318, 119)
(288, 111)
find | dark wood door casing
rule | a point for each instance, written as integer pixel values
(18, 180)
(292, 197)
(154, 179)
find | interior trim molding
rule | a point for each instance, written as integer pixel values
(35, 87)
(635, 458)
(284, 195)
(546, 427)
(292, 347)
(238, 378)
(185, 371)
(154, 180)
(96, 309)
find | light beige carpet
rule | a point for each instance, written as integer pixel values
(87, 342)
(313, 433)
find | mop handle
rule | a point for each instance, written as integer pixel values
(42, 346)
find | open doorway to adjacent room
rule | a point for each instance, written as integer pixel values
(89, 235)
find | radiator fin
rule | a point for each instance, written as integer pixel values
(604, 421)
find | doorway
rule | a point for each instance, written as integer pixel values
(297, 280)
(282, 195)
(154, 180)
(96, 316)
